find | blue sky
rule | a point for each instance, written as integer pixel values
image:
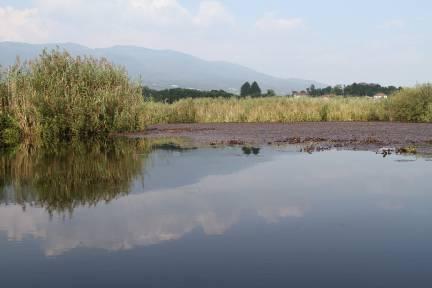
(331, 41)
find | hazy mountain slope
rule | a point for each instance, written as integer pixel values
(164, 68)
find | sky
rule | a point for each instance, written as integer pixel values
(331, 41)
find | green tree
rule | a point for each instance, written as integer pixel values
(255, 90)
(338, 90)
(245, 90)
(270, 93)
(312, 91)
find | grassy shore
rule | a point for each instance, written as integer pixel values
(60, 97)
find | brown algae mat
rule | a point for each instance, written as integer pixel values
(315, 135)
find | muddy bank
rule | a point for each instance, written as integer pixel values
(319, 135)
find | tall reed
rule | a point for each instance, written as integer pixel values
(274, 109)
(58, 96)
(412, 104)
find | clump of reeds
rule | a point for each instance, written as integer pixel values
(412, 104)
(58, 96)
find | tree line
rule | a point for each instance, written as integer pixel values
(355, 89)
(254, 90)
(175, 94)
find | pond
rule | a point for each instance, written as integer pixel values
(122, 214)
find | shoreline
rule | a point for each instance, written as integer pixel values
(317, 135)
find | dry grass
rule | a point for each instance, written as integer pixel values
(274, 109)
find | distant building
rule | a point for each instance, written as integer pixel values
(297, 94)
(380, 96)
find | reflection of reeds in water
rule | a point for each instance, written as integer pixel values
(66, 176)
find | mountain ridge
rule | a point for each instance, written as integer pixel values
(161, 69)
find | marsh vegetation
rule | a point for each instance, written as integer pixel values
(59, 97)
(268, 110)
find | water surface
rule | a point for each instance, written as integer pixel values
(122, 215)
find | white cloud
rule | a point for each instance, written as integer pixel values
(269, 23)
(21, 25)
(127, 14)
(211, 12)
(155, 4)
(158, 11)
(99, 23)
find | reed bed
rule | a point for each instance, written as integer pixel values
(266, 110)
(58, 96)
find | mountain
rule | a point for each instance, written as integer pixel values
(160, 69)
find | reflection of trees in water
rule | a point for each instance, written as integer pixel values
(66, 176)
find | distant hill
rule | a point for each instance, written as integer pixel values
(160, 69)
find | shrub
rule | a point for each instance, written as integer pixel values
(412, 104)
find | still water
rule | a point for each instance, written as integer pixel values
(123, 215)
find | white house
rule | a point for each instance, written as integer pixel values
(380, 96)
(296, 94)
